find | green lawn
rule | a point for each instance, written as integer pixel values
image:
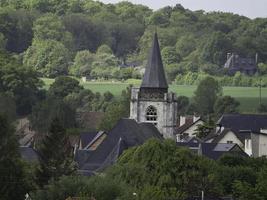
(247, 96)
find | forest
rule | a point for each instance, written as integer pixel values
(90, 38)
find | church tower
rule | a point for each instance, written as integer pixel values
(152, 102)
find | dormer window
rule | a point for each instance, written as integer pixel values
(151, 115)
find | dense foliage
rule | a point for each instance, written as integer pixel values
(15, 180)
(160, 170)
(56, 156)
(90, 38)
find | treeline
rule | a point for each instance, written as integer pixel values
(193, 78)
(64, 37)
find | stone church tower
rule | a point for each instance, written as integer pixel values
(152, 102)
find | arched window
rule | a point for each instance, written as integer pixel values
(151, 114)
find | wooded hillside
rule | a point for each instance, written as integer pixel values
(92, 38)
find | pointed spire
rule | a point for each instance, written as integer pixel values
(154, 74)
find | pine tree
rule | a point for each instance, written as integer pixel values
(13, 180)
(56, 158)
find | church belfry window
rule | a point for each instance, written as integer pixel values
(151, 114)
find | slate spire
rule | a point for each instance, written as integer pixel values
(154, 74)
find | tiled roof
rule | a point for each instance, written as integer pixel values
(126, 133)
(186, 126)
(87, 137)
(213, 150)
(28, 154)
(243, 122)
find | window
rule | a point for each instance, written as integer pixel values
(229, 142)
(151, 114)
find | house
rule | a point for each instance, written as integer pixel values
(99, 150)
(246, 130)
(187, 128)
(212, 150)
(235, 63)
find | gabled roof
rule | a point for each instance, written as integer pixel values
(126, 133)
(154, 76)
(243, 122)
(213, 150)
(87, 137)
(217, 136)
(28, 154)
(186, 126)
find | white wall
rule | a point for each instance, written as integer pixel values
(262, 145)
(191, 130)
(230, 136)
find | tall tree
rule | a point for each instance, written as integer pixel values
(56, 156)
(206, 94)
(13, 180)
(49, 57)
(226, 104)
(63, 86)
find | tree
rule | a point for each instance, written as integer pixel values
(169, 55)
(204, 130)
(8, 106)
(168, 172)
(216, 48)
(82, 65)
(63, 86)
(116, 110)
(185, 45)
(104, 49)
(206, 94)
(226, 104)
(50, 27)
(14, 183)
(182, 105)
(2, 42)
(23, 84)
(262, 68)
(86, 33)
(56, 157)
(16, 26)
(45, 111)
(49, 57)
(98, 187)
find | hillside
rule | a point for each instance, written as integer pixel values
(91, 38)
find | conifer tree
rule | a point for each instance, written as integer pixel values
(13, 181)
(55, 153)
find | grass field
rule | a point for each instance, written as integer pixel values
(247, 96)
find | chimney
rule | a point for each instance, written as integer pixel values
(195, 118)
(228, 55)
(182, 120)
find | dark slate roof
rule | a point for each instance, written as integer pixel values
(187, 125)
(126, 133)
(87, 137)
(217, 136)
(154, 76)
(243, 122)
(213, 150)
(235, 61)
(28, 154)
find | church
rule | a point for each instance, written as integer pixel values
(152, 103)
